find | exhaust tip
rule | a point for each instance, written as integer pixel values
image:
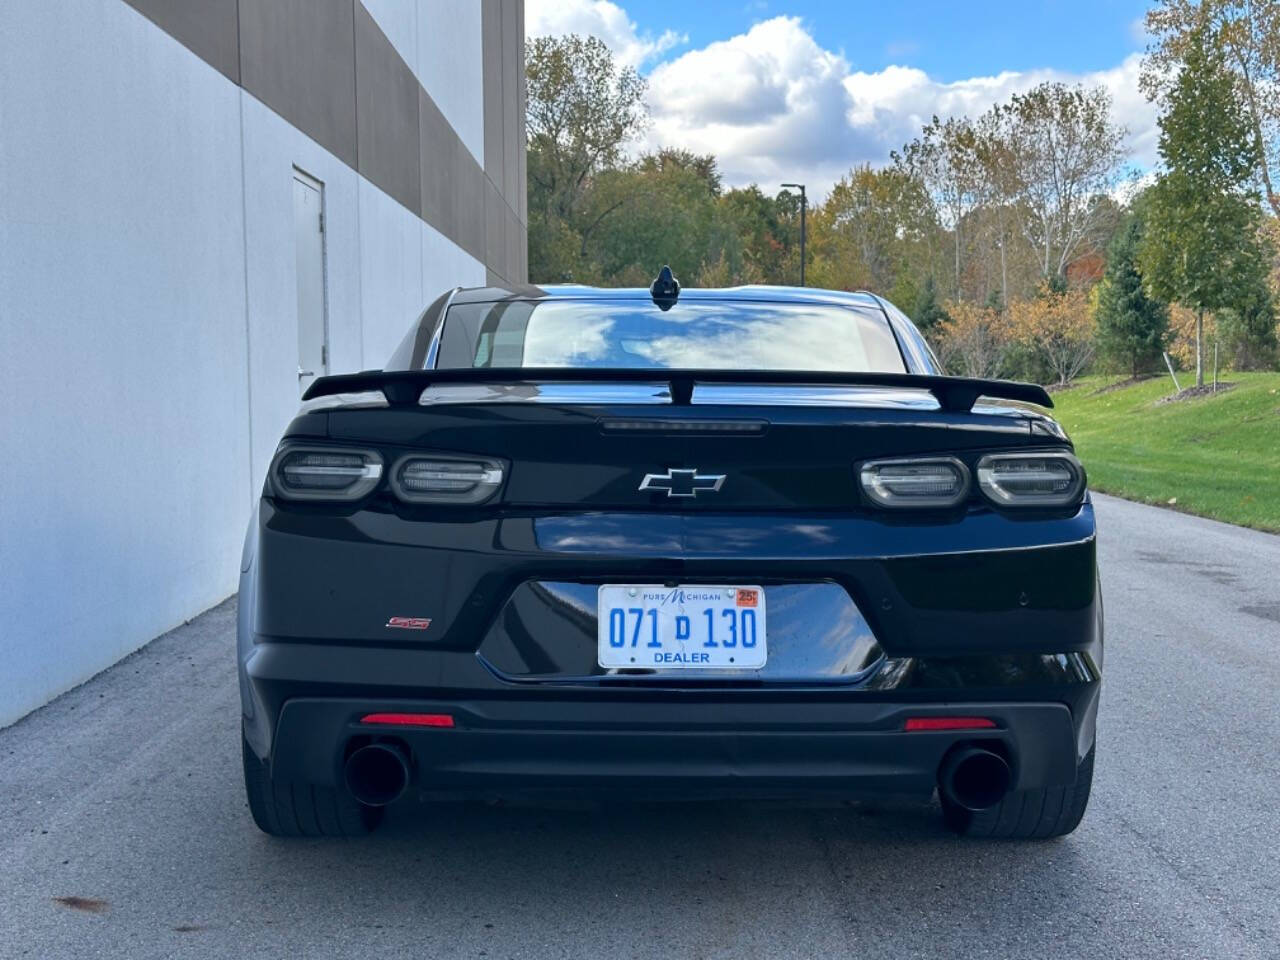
(975, 778)
(377, 774)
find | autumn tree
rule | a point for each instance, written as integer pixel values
(1201, 246)
(1248, 32)
(973, 340)
(945, 159)
(1062, 154)
(871, 228)
(1057, 325)
(1132, 325)
(998, 191)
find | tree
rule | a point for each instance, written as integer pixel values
(716, 273)
(973, 339)
(1247, 330)
(704, 167)
(1058, 327)
(1131, 325)
(928, 313)
(998, 191)
(1061, 153)
(758, 245)
(1201, 246)
(1249, 34)
(581, 108)
(668, 205)
(1271, 237)
(945, 159)
(869, 229)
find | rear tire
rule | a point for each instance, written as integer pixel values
(287, 809)
(1027, 814)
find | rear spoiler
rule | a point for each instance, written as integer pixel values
(404, 387)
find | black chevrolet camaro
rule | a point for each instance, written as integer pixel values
(670, 542)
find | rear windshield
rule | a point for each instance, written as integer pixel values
(701, 334)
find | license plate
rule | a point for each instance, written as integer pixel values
(647, 625)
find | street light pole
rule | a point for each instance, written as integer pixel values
(804, 205)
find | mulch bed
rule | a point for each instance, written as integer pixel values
(1190, 393)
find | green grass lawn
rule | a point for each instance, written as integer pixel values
(1219, 456)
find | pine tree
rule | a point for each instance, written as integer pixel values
(1200, 247)
(1131, 325)
(929, 312)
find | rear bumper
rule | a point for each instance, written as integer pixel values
(673, 746)
(976, 583)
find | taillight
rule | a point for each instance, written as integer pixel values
(436, 479)
(1053, 479)
(920, 483)
(324, 473)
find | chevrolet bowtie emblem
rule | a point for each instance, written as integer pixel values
(682, 483)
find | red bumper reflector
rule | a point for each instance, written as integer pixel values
(949, 723)
(409, 719)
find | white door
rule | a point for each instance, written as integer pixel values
(308, 230)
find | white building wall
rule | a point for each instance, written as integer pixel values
(273, 148)
(444, 265)
(148, 342)
(390, 271)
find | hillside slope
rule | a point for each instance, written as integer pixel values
(1218, 456)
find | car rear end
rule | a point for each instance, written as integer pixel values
(763, 576)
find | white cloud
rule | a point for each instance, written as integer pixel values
(599, 18)
(774, 105)
(769, 103)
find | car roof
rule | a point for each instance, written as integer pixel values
(744, 294)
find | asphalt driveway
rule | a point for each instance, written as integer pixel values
(123, 829)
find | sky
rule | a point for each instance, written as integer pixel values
(803, 90)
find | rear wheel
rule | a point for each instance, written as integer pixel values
(1027, 814)
(287, 809)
